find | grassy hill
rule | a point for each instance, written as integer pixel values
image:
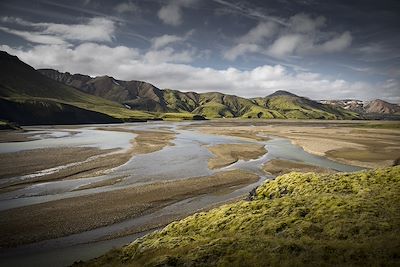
(344, 219)
(295, 107)
(38, 99)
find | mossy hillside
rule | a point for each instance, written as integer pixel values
(295, 107)
(295, 220)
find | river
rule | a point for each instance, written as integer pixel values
(185, 159)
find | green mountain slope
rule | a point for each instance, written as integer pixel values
(296, 107)
(344, 219)
(21, 85)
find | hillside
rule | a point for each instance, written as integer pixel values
(296, 107)
(381, 107)
(375, 109)
(295, 220)
(28, 97)
(140, 95)
(136, 94)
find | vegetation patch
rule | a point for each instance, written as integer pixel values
(344, 219)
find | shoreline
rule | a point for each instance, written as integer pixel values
(64, 217)
(103, 160)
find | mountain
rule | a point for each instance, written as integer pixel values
(375, 109)
(297, 107)
(140, 95)
(28, 97)
(381, 107)
(47, 96)
(297, 219)
(136, 94)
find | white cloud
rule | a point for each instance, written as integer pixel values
(95, 29)
(285, 45)
(248, 43)
(259, 33)
(169, 54)
(241, 49)
(129, 64)
(126, 7)
(337, 44)
(171, 13)
(301, 35)
(166, 39)
(35, 37)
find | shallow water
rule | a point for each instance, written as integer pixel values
(82, 137)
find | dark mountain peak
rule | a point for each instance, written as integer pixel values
(282, 93)
(5, 55)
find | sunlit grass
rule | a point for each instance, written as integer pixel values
(295, 220)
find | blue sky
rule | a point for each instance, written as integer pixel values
(319, 49)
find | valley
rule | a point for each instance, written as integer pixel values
(127, 179)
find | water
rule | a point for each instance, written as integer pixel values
(82, 137)
(187, 158)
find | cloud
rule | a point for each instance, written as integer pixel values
(259, 33)
(285, 45)
(126, 7)
(241, 49)
(166, 39)
(171, 13)
(242, 8)
(169, 54)
(95, 29)
(301, 35)
(130, 64)
(337, 44)
(35, 37)
(248, 43)
(303, 23)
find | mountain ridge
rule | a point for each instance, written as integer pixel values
(45, 94)
(148, 97)
(28, 97)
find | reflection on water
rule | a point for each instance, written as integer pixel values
(82, 137)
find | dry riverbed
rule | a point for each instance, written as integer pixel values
(227, 154)
(365, 144)
(278, 167)
(73, 215)
(25, 162)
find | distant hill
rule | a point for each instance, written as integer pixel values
(297, 107)
(375, 109)
(141, 95)
(381, 107)
(28, 97)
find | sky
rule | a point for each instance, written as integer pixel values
(314, 48)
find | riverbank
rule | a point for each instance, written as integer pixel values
(295, 220)
(73, 215)
(83, 161)
(279, 167)
(347, 142)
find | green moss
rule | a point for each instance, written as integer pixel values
(295, 220)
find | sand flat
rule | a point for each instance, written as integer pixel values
(73, 215)
(227, 154)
